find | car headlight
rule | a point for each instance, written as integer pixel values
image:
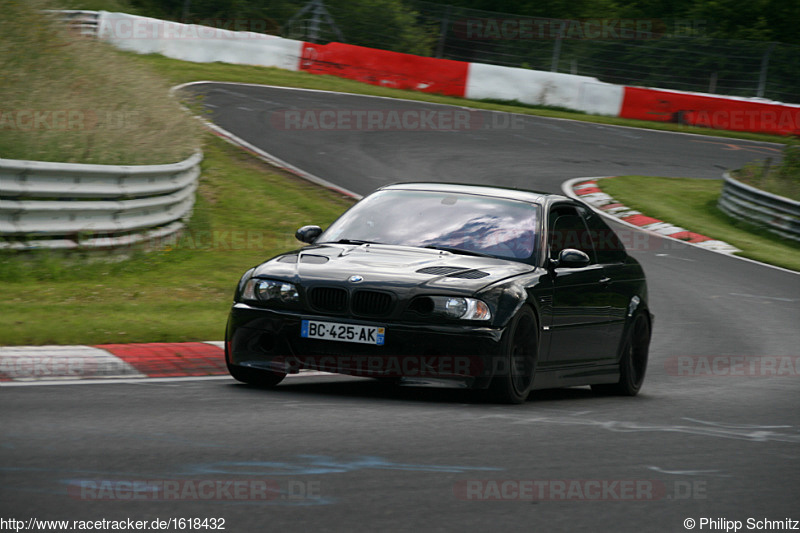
(451, 307)
(466, 309)
(266, 290)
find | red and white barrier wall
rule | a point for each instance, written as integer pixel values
(465, 80)
(537, 87)
(190, 42)
(711, 111)
(385, 68)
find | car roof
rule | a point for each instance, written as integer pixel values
(497, 192)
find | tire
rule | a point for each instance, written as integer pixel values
(633, 360)
(252, 376)
(514, 379)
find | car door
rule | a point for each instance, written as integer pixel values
(580, 305)
(611, 254)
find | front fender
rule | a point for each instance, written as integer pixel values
(507, 297)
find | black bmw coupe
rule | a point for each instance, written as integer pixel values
(496, 289)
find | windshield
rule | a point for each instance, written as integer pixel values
(459, 222)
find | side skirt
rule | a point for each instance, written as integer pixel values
(553, 378)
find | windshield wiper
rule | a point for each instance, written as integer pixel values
(457, 250)
(355, 241)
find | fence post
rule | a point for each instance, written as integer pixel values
(762, 79)
(443, 31)
(556, 54)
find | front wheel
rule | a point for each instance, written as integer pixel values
(513, 380)
(253, 376)
(633, 361)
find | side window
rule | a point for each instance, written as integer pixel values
(606, 243)
(568, 230)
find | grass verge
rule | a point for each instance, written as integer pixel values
(67, 98)
(692, 204)
(246, 211)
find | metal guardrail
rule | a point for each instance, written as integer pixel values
(85, 22)
(777, 214)
(67, 205)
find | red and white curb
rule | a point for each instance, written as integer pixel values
(587, 189)
(113, 362)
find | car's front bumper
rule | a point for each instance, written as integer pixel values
(271, 340)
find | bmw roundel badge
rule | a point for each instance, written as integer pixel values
(355, 279)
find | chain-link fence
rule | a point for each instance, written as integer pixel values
(674, 54)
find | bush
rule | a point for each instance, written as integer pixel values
(782, 179)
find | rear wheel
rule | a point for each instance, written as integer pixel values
(633, 361)
(513, 380)
(253, 376)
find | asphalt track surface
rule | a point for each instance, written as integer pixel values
(348, 454)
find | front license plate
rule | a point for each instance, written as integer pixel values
(332, 331)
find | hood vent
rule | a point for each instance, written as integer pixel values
(313, 259)
(439, 271)
(304, 258)
(469, 274)
(453, 272)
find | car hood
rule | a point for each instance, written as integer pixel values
(389, 267)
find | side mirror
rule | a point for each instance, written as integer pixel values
(570, 258)
(308, 234)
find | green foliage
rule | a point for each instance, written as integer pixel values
(790, 168)
(782, 179)
(763, 20)
(386, 24)
(119, 6)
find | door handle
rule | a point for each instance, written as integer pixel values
(605, 281)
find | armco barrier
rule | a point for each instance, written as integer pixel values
(82, 21)
(718, 112)
(386, 68)
(67, 205)
(200, 44)
(777, 214)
